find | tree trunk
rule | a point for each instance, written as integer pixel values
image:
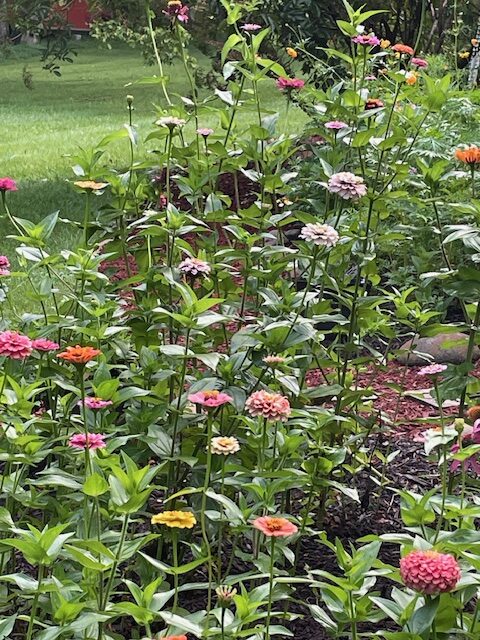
(3, 22)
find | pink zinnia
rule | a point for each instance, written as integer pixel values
(369, 40)
(205, 132)
(336, 125)
(271, 406)
(42, 344)
(212, 398)
(275, 527)
(15, 345)
(4, 266)
(194, 267)
(7, 184)
(432, 370)
(419, 62)
(288, 84)
(250, 26)
(96, 403)
(347, 185)
(175, 9)
(88, 441)
(430, 572)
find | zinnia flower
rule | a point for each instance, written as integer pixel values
(194, 267)
(15, 345)
(177, 10)
(250, 26)
(90, 185)
(175, 519)
(403, 49)
(88, 441)
(369, 40)
(170, 122)
(289, 84)
(42, 344)
(323, 235)
(473, 413)
(432, 370)
(384, 44)
(271, 406)
(205, 132)
(474, 42)
(470, 435)
(430, 572)
(4, 266)
(183, 637)
(223, 445)
(275, 527)
(411, 78)
(96, 403)
(419, 62)
(469, 155)
(8, 184)
(464, 55)
(212, 398)
(225, 595)
(373, 103)
(273, 360)
(292, 52)
(336, 125)
(347, 185)
(78, 354)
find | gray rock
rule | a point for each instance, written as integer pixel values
(443, 348)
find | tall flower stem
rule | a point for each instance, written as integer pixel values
(203, 515)
(270, 588)
(118, 555)
(36, 597)
(190, 81)
(153, 39)
(175, 566)
(471, 344)
(444, 461)
(220, 526)
(86, 217)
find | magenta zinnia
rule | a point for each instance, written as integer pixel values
(87, 441)
(4, 266)
(96, 403)
(271, 406)
(8, 184)
(289, 84)
(430, 572)
(369, 40)
(15, 345)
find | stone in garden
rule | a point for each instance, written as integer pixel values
(443, 348)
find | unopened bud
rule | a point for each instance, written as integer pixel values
(225, 595)
(129, 100)
(459, 425)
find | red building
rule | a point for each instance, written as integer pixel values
(76, 13)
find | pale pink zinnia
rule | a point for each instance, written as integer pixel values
(275, 527)
(273, 360)
(271, 406)
(194, 267)
(336, 125)
(419, 62)
(87, 441)
(42, 344)
(432, 370)
(8, 184)
(369, 40)
(210, 399)
(4, 266)
(205, 132)
(288, 84)
(430, 572)
(323, 235)
(96, 403)
(250, 26)
(347, 185)
(15, 345)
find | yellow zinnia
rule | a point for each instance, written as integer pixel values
(90, 184)
(292, 52)
(175, 519)
(384, 44)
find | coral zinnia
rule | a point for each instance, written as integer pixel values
(212, 398)
(430, 572)
(275, 527)
(78, 354)
(15, 345)
(175, 519)
(88, 441)
(403, 48)
(469, 155)
(175, 638)
(271, 406)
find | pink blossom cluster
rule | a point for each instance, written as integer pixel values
(430, 572)
(4, 266)
(87, 441)
(15, 345)
(368, 40)
(290, 84)
(271, 406)
(8, 184)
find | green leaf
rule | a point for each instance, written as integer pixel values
(95, 485)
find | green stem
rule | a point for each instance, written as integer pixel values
(118, 555)
(270, 588)
(203, 516)
(36, 597)
(468, 359)
(175, 566)
(151, 32)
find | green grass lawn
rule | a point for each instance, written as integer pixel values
(42, 127)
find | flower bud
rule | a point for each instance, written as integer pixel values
(225, 595)
(459, 425)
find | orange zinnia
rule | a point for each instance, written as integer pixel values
(403, 48)
(470, 155)
(273, 526)
(79, 355)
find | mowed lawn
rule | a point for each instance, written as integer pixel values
(42, 127)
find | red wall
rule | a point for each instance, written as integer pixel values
(77, 14)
